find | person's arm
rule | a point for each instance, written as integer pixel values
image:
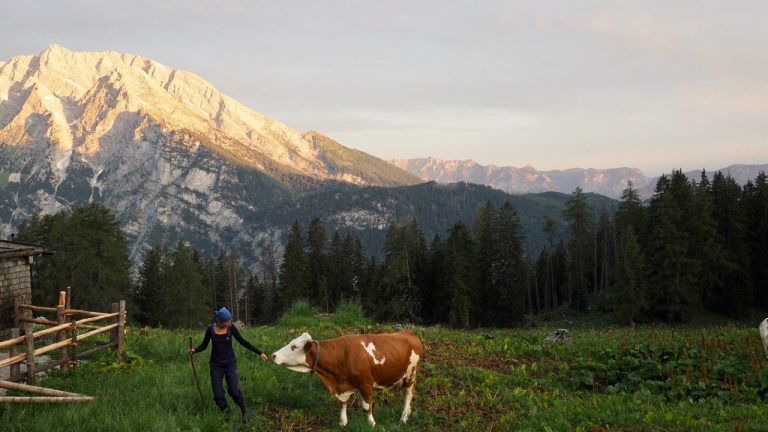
(236, 334)
(206, 339)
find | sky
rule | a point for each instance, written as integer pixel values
(655, 85)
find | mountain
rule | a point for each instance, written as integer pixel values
(174, 158)
(91, 104)
(608, 182)
(523, 180)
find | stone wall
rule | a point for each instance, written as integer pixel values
(14, 283)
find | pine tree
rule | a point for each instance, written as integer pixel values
(401, 273)
(735, 296)
(293, 273)
(316, 265)
(186, 299)
(705, 245)
(462, 280)
(756, 210)
(434, 308)
(509, 266)
(630, 212)
(150, 297)
(671, 273)
(256, 301)
(91, 257)
(631, 297)
(488, 294)
(576, 213)
(270, 279)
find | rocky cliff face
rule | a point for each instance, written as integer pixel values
(165, 150)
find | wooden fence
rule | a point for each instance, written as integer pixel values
(67, 328)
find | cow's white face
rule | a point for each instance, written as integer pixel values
(293, 356)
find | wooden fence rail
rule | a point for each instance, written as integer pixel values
(67, 338)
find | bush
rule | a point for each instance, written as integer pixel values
(350, 313)
(300, 314)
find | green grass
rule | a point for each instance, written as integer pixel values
(647, 379)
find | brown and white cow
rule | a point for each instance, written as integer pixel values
(357, 363)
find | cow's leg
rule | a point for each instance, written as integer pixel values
(407, 407)
(344, 397)
(367, 396)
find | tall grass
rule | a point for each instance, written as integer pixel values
(349, 314)
(713, 379)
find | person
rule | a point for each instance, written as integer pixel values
(223, 362)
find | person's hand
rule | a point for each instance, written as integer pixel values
(263, 357)
(191, 350)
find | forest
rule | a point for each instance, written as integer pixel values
(694, 246)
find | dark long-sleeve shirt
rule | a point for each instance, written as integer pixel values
(222, 352)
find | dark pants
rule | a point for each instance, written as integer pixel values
(228, 372)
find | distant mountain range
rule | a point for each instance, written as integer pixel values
(174, 158)
(608, 182)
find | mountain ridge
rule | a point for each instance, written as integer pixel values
(609, 182)
(82, 101)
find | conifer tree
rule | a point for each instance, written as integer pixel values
(756, 210)
(671, 272)
(631, 296)
(293, 273)
(509, 267)
(735, 294)
(316, 265)
(186, 304)
(150, 296)
(404, 265)
(462, 280)
(434, 307)
(91, 257)
(576, 214)
(488, 294)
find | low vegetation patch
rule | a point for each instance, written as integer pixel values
(648, 379)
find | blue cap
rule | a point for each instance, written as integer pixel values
(223, 315)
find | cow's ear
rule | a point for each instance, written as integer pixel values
(307, 346)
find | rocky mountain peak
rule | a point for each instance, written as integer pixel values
(78, 100)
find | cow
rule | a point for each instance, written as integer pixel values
(357, 363)
(764, 335)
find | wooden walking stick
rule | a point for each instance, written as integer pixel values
(194, 372)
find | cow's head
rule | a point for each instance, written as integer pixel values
(294, 355)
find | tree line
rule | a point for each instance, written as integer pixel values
(695, 245)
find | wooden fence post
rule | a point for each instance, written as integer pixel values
(121, 332)
(73, 357)
(15, 369)
(29, 345)
(116, 336)
(69, 298)
(61, 317)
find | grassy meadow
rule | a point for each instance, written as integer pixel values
(610, 379)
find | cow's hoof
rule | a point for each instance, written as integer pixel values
(342, 424)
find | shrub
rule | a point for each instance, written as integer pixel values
(300, 314)
(350, 313)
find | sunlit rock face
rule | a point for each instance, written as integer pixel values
(170, 154)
